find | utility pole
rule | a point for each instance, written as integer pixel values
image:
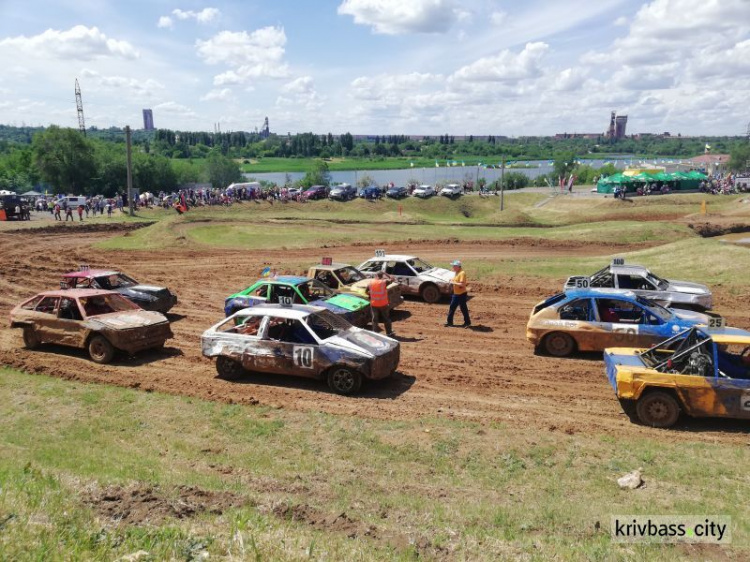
(502, 183)
(131, 203)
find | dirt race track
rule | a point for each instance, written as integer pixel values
(488, 374)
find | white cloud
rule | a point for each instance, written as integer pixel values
(174, 108)
(394, 17)
(498, 18)
(76, 43)
(122, 84)
(252, 55)
(224, 94)
(204, 16)
(506, 66)
(621, 21)
(654, 77)
(301, 85)
(165, 22)
(300, 92)
(570, 79)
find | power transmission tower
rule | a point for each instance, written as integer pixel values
(79, 106)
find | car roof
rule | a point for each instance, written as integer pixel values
(628, 268)
(581, 293)
(87, 273)
(393, 257)
(77, 293)
(332, 266)
(294, 312)
(284, 279)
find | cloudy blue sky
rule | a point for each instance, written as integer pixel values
(380, 66)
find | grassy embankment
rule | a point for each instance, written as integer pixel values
(283, 165)
(264, 484)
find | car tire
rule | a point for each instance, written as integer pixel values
(229, 369)
(344, 381)
(558, 344)
(30, 337)
(430, 293)
(100, 350)
(658, 409)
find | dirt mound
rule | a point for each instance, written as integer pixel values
(80, 227)
(710, 230)
(138, 505)
(340, 523)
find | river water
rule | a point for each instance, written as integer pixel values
(451, 174)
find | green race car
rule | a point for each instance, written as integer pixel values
(300, 290)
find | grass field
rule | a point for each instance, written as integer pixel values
(267, 484)
(282, 165)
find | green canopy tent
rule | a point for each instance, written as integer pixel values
(609, 184)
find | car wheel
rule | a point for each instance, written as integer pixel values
(658, 409)
(345, 381)
(559, 344)
(229, 369)
(30, 338)
(430, 294)
(100, 350)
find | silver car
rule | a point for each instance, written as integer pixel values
(416, 276)
(300, 340)
(636, 278)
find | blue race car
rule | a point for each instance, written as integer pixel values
(594, 319)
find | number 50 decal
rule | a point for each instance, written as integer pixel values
(304, 356)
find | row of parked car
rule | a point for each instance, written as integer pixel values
(346, 192)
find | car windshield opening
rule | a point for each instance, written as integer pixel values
(314, 289)
(419, 265)
(349, 275)
(115, 281)
(658, 310)
(325, 324)
(106, 304)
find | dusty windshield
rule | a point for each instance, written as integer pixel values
(349, 275)
(419, 265)
(314, 289)
(106, 304)
(325, 324)
(115, 281)
(657, 281)
(658, 310)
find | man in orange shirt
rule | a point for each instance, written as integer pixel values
(379, 305)
(458, 299)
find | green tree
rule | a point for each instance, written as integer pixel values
(319, 175)
(739, 159)
(564, 163)
(222, 171)
(65, 159)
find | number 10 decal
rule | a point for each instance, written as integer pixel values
(303, 357)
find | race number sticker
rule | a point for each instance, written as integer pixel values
(582, 283)
(285, 301)
(626, 333)
(379, 253)
(745, 402)
(402, 280)
(717, 322)
(303, 356)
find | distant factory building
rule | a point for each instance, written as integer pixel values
(148, 120)
(617, 126)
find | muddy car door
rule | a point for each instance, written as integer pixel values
(293, 349)
(404, 275)
(45, 319)
(69, 323)
(624, 323)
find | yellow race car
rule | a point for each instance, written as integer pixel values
(703, 372)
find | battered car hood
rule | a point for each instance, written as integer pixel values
(351, 303)
(364, 340)
(687, 287)
(137, 290)
(126, 320)
(691, 316)
(439, 274)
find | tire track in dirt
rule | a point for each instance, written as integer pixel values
(489, 374)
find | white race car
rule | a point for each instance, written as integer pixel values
(415, 276)
(300, 340)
